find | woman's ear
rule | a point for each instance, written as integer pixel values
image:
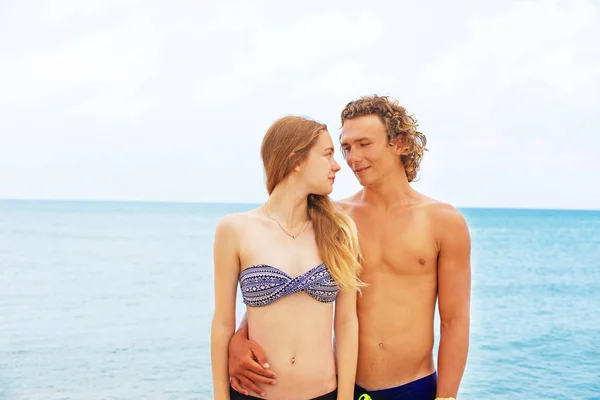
(297, 166)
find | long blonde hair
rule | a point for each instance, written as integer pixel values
(285, 145)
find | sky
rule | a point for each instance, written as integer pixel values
(168, 101)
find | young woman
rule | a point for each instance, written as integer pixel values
(293, 257)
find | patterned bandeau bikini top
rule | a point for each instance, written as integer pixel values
(262, 284)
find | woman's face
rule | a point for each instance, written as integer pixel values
(320, 167)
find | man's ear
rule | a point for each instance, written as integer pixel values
(399, 146)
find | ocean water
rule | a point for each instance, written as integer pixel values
(102, 300)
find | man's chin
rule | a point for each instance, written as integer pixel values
(362, 181)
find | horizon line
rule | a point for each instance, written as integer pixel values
(182, 202)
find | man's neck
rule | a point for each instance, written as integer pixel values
(390, 193)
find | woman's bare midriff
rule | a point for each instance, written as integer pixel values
(295, 333)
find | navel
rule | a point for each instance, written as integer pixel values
(380, 345)
(293, 360)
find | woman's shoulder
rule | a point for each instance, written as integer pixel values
(236, 222)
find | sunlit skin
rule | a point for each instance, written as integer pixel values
(295, 331)
(416, 251)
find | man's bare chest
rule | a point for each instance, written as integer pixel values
(395, 244)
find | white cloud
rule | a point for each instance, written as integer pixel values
(57, 12)
(333, 80)
(291, 51)
(174, 97)
(235, 16)
(118, 60)
(532, 41)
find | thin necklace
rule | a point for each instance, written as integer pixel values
(264, 207)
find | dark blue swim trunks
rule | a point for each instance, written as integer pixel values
(422, 389)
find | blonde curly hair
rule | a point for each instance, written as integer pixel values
(398, 124)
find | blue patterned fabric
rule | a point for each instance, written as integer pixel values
(261, 284)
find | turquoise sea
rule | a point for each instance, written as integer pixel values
(109, 300)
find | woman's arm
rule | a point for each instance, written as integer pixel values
(226, 273)
(346, 342)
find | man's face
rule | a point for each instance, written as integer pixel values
(367, 149)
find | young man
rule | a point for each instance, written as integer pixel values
(416, 250)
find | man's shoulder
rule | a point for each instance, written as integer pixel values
(442, 211)
(446, 217)
(348, 203)
(441, 208)
(343, 205)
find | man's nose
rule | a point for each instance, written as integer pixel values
(353, 156)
